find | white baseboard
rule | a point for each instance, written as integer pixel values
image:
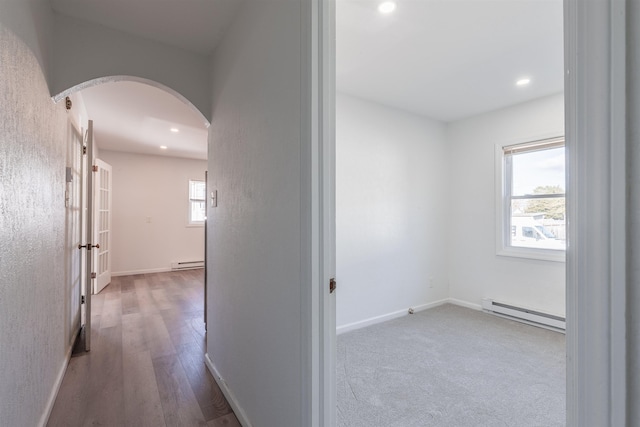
(134, 272)
(44, 419)
(386, 317)
(233, 402)
(434, 304)
(465, 304)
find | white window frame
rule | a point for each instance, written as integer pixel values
(503, 209)
(190, 222)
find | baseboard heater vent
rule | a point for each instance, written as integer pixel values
(525, 315)
(186, 265)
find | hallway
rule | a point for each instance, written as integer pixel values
(146, 365)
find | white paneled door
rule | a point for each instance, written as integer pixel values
(102, 224)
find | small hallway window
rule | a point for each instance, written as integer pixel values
(197, 202)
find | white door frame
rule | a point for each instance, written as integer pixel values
(598, 393)
(318, 228)
(595, 97)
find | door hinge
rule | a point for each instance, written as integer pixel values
(84, 150)
(332, 285)
(95, 168)
(94, 275)
(82, 299)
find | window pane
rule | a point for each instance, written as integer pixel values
(538, 172)
(197, 190)
(538, 223)
(198, 211)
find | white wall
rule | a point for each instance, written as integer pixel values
(157, 188)
(475, 271)
(392, 207)
(254, 337)
(36, 317)
(98, 52)
(633, 134)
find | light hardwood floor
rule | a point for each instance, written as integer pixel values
(146, 365)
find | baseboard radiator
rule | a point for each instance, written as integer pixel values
(186, 265)
(525, 315)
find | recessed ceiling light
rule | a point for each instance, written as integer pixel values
(387, 7)
(174, 130)
(523, 82)
(163, 147)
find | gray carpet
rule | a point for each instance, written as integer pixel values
(454, 367)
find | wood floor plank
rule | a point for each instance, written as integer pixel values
(146, 366)
(160, 298)
(105, 398)
(130, 302)
(142, 406)
(226, 421)
(146, 303)
(111, 311)
(178, 401)
(209, 396)
(146, 332)
(97, 303)
(72, 397)
(126, 283)
(158, 338)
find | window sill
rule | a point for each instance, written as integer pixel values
(535, 254)
(199, 225)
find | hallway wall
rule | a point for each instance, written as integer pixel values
(35, 328)
(157, 188)
(255, 238)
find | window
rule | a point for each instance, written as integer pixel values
(197, 202)
(531, 200)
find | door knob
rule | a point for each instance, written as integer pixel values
(89, 246)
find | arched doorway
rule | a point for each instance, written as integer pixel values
(156, 139)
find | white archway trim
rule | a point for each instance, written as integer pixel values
(595, 94)
(111, 79)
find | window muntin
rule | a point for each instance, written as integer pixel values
(197, 202)
(532, 223)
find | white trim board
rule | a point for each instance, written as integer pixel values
(386, 317)
(134, 272)
(44, 419)
(465, 304)
(231, 398)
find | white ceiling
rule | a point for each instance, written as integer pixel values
(450, 59)
(443, 59)
(137, 118)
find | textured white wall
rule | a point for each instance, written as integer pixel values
(475, 271)
(152, 187)
(633, 112)
(254, 319)
(392, 206)
(97, 51)
(32, 22)
(35, 314)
